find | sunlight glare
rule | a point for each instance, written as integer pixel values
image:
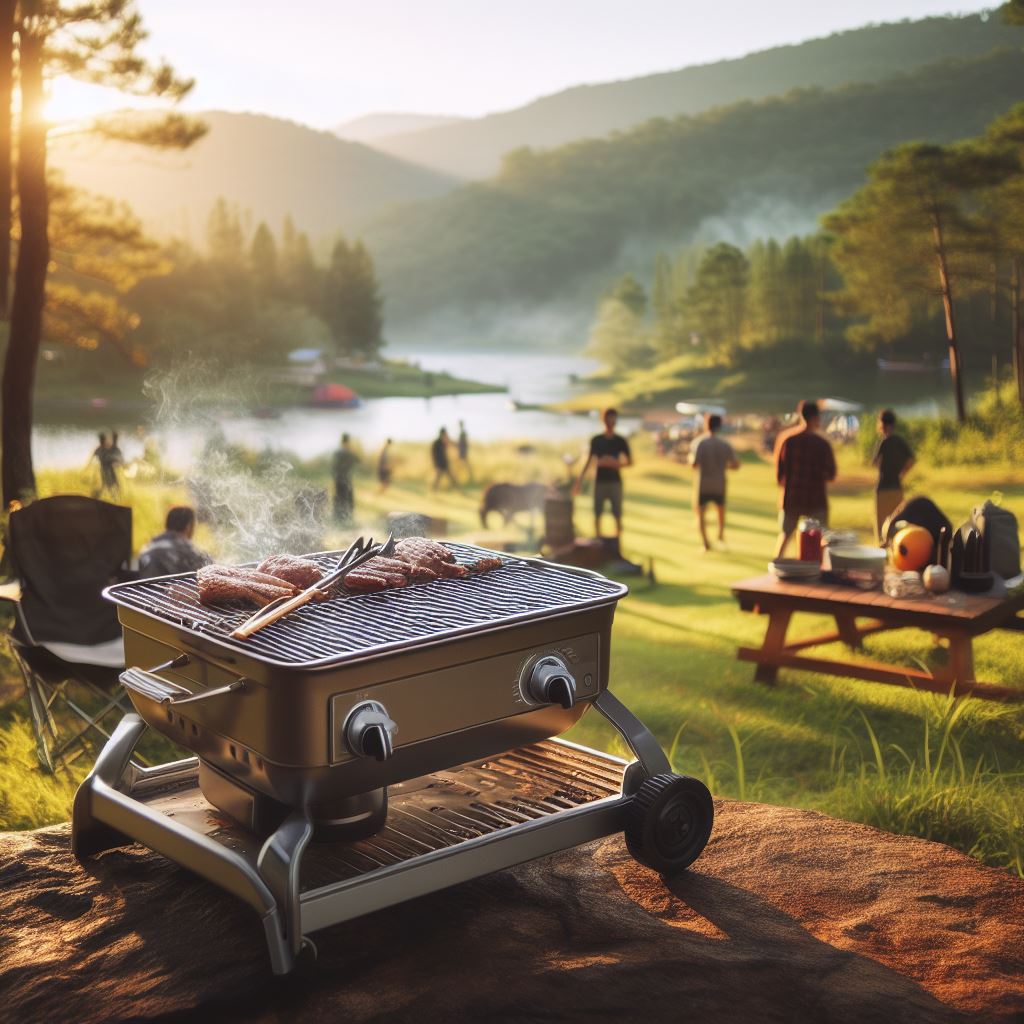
(69, 100)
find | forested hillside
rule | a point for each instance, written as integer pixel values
(269, 167)
(551, 219)
(474, 148)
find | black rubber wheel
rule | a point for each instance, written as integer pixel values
(669, 822)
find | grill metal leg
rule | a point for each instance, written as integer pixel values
(278, 865)
(641, 741)
(105, 817)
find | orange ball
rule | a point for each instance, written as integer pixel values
(912, 548)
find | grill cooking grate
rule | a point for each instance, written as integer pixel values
(357, 624)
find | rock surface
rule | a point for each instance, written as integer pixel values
(788, 916)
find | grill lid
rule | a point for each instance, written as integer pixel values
(352, 626)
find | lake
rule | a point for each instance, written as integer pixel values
(531, 378)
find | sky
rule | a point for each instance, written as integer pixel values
(323, 62)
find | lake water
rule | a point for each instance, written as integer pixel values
(531, 378)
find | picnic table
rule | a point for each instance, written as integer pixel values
(955, 616)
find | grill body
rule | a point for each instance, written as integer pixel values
(455, 663)
(446, 659)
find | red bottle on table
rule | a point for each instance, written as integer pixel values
(810, 540)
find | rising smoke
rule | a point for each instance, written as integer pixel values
(254, 503)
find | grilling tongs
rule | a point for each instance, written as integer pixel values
(359, 551)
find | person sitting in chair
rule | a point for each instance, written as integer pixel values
(173, 551)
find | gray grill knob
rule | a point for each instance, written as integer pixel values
(551, 682)
(370, 732)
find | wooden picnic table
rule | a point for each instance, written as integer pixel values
(956, 616)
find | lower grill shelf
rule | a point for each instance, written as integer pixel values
(440, 829)
(425, 815)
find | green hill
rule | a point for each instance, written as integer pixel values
(268, 166)
(551, 220)
(474, 148)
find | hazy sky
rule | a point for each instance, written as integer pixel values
(326, 61)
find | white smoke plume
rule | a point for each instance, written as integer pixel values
(255, 503)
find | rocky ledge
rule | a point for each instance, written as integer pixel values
(788, 916)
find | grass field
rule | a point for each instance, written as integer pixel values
(904, 761)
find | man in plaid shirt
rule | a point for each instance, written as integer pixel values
(804, 464)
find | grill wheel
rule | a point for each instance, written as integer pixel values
(668, 822)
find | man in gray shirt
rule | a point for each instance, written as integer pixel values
(710, 457)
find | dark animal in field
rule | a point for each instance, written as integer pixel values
(510, 499)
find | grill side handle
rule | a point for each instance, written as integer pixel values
(150, 685)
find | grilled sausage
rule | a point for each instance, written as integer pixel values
(485, 564)
(364, 582)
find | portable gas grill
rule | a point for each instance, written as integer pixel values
(304, 730)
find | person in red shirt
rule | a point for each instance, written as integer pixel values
(804, 466)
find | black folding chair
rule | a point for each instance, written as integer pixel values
(66, 639)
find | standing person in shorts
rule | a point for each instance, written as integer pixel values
(610, 453)
(710, 457)
(894, 459)
(804, 466)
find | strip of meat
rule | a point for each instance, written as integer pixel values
(239, 572)
(300, 572)
(364, 582)
(419, 550)
(400, 567)
(393, 579)
(221, 588)
(485, 564)
(450, 571)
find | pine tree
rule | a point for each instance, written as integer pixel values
(351, 300)
(263, 259)
(910, 239)
(95, 41)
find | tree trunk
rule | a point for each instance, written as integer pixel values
(955, 363)
(19, 373)
(6, 88)
(1018, 353)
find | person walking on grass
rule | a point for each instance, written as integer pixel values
(343, 463)
(384, 467)
(610, 453)
(462, 443)
(710, 457)
(108, 456)
(440, 457)
(894, 460)
(804, 466)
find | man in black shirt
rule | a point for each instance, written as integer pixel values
(894, 460)
(610, 452)
(173, 551)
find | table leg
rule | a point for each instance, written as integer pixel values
(846, 627)
(961, 658)
(774, 642)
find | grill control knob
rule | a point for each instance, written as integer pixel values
(370, 732)
(551, 682)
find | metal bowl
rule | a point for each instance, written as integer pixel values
(858, 557)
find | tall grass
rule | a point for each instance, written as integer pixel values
(933, 791)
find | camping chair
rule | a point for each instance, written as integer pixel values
(66, 639)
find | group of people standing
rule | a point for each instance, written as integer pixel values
(345, 460)
(804, 467)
